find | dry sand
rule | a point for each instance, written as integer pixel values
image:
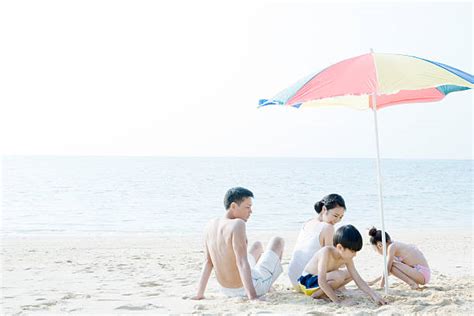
(143, 274)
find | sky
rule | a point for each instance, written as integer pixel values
(183, 78)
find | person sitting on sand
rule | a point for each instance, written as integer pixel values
(315, 233)
(404, 261)
(322, 275)
(239, 273)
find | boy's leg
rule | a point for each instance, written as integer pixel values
(335, 279)
(412, 273)
(256, 250)
(276, 245)
(269, 265)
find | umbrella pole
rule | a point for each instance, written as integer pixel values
(379, 180)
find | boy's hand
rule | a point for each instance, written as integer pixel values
(379, 300)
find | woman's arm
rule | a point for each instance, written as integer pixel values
(326, 236)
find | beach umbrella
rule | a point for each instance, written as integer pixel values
(375, 81)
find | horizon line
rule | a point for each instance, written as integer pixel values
(225, 156)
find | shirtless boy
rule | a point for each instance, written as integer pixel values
(322, 275)
(238, 272)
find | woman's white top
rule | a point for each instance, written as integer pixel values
(306, 246)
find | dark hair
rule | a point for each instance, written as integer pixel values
(236, 195)
(349, 237)
(330, 201)
(376, 236)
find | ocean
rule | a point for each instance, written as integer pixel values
(88, 195)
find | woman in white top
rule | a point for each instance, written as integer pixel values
(315, 234)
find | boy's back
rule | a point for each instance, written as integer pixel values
(327, 256)
(220, 234)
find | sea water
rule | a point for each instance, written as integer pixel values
(75, 195)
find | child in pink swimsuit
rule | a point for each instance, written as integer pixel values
(404, 261)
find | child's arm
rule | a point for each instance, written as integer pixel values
(205, 274)
(390, 257)
(370, 283)
(362, 285)
(322, 271)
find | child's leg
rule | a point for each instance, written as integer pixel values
(407, 274)
(335, 279)
(405, 278)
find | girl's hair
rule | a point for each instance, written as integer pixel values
(330, 201)
(376, 236)
(349, 237)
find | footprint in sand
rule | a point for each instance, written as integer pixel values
(183, 281)
(156, 293)
(199, 307)
(44, 305)
(163, 265)
(138, 307)
(149, 284)
(32, 307)
(70, 296)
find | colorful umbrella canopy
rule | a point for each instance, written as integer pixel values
(375, 81)
(392, 78)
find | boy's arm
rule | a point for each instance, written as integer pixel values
(362, 285)
(370, 283)
(205, 274)
(322, 280)
(239, 244)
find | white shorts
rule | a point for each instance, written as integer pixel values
(264, 274)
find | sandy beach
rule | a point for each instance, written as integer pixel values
(150, 274)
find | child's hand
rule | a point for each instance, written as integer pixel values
(382, 283)
(379, 300)
(414, 286)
